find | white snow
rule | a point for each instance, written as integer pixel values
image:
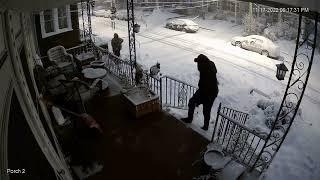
(239, 71)
(93, 73)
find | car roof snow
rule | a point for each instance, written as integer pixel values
(186, 21)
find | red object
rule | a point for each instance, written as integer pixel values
(90, 122)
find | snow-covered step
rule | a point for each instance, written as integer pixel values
(232, 171)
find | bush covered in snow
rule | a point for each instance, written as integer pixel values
(281, 30)
(218, 15)
(258, 25)
(270, 110)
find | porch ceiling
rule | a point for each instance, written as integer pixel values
(32, 5)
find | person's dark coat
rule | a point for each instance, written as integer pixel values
(116, 43)
(208, 83)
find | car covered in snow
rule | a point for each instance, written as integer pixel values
(257, 44)
(182, 25)
(102, 13)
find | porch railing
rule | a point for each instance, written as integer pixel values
(172, 92)
(83, 48)
(176, 93)
(117, 66)
(154, 84)
(235, 138)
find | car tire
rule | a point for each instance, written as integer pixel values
(265, 53)
(238, 44)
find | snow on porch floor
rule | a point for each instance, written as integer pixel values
(156, 146)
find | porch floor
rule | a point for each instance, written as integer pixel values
(155, 147)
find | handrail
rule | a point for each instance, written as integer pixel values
(243, 126)
(180, 81)
(111, 54)
(75, 47)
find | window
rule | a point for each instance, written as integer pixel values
(62, 18)
(48, 21)
(55, 21)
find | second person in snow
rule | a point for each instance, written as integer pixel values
(116, 44)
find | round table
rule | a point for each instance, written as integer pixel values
(94, 73)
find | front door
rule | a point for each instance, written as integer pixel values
(18, 28)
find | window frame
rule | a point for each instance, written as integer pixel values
(56, 29)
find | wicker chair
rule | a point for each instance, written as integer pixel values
(61, 58)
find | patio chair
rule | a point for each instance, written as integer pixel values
(61, 58)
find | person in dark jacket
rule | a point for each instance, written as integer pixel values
(116, 44)
(207, 92)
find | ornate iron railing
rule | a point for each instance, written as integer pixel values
(297, 82)
(82, 48)
(117, 66)
(176, 93)
(235, 138)
(131, 35)
(154, 84)
(85, 26)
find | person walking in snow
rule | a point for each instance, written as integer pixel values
(207, 92)
(155, 70)
(116, 44)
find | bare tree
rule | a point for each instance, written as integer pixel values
(250, 24)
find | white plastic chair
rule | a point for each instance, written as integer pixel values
(61, 58)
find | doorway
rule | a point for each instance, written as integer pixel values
(25, 157)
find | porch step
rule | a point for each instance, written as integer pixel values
(254, 175)
(232, 171)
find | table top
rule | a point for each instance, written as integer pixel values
(94, 73)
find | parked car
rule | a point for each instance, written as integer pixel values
(102, 13)
(257, 44)
(182, 25)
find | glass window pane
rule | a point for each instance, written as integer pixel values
(63, 23)
(62, 12)
(48, 20)
(48, 15)
(49, 27)
(62, 17)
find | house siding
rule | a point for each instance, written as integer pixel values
(67, 39)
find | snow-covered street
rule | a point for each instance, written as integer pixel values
(239, 71)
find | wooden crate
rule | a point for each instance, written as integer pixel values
(140, 101)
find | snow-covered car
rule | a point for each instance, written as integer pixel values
(182, 25)
(102, 13)
(257, 44)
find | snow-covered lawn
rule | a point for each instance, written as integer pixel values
(239, 71)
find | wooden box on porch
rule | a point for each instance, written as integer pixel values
(140, 101)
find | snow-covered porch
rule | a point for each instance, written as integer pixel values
(156, 146)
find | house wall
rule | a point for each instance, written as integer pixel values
(17, 41)
(67, 39)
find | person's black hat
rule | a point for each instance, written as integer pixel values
(200, 58)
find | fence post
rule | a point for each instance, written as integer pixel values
(160, 92)
(215, 124)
